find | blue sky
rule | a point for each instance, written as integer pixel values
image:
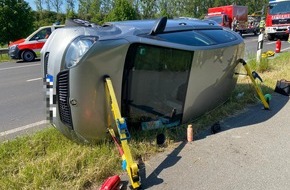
(31, 3)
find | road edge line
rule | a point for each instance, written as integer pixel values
(4, 133)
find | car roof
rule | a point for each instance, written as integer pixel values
(171, 24)
(178, 31)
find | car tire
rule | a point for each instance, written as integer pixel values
(28, 56)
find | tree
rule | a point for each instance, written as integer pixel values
(70, 9)
(46, 18)
(48, 6)
(39, 5)
(122, 10)
(56, 4)
(70, 6)
(164, 9)
(148, 8)
(16, 20)
(84, 9)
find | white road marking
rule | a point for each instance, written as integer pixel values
(17, 67)
(268, 43)
(33, 79)
(253, 40)
(285, 49)
(4, 133)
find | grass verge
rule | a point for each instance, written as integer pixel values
(4, 57)
(47, 160)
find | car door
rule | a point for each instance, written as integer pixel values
(38, 40)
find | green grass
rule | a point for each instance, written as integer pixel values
(47, 160)
(4, 57)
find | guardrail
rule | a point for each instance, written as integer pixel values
(3, 51)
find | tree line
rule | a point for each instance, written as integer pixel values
(17, 19)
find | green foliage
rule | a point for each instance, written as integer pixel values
(99, 11)
(46, 18)
(4, 57)
(148, 9)
(16, 20)
(71, 14)
(88, 8)
(17, 16)
(164, 9)
(122, 10)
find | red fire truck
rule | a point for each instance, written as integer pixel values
(224, 15)
(277, 19)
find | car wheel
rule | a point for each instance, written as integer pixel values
(28, 55)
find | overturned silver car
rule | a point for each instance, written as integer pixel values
(170, 71)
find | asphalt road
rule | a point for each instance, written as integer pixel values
(21, 98)
(251, 42)
(250, 153)
(22, 108)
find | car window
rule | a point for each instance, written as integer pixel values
(42, 34)
(219, 36)
(158, 59)
(199, 37)
(187, 38)
(218, 19)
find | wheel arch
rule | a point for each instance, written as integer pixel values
(28, 50)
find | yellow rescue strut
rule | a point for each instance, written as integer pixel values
(128, 164)
(252, 76)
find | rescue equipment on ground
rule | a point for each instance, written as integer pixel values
(268, 54)
(127, 160)
(189, 133)
(283, 87)
(253, 76)
(278, 46)
(112, 183)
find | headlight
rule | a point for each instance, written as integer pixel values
(77, 49)
(12, 47)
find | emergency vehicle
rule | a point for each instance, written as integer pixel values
(277, 19)
(224, 15)
(28, 49)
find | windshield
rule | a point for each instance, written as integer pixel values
(218, 19)
(279, 7)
